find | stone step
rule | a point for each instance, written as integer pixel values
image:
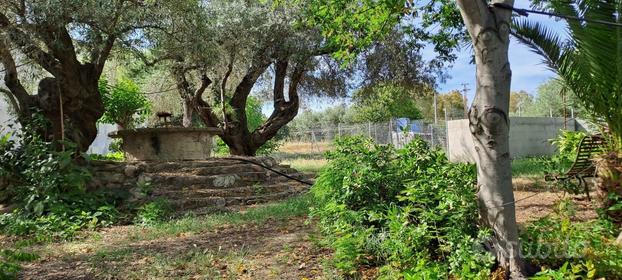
(194, 203)
(225, 192)
(177, 165)
(185, 204)
(226, 169)
(177, 181)
(246, 200)
(212, 163)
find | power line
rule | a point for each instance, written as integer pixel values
(526, 12)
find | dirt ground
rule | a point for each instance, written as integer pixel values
(275, 249)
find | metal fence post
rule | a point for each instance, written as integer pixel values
(431, 127)
(390, 132)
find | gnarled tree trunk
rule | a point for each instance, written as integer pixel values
(70, 99)
(234, 124)
(489, 124)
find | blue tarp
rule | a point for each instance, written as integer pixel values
(413, 126)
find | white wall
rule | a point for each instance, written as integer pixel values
(7, 119)
(99, 146)
(528, 137)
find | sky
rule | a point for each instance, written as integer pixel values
(528, 72)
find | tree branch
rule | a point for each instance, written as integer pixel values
(259, 64)
(102, 56)
(57, 39)
(280, 73)
(283, 111)
(11, 79)
(29, 48)
(11, 98)
(205, 82)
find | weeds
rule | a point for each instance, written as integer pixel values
(568, 249)
(408, 211)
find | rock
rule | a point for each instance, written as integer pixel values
(220, 202)
(116, 178)
(225, 180)
(131, 171)
(144, 179)
(7, 208)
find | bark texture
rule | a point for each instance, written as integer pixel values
(489, 124)
(73, 85)
(233, 122)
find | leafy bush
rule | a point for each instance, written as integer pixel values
(113, 156)
(9, 262)
(49, 190)
(572, 250)
(153, 212)
(125, 104)
(567, 143)
(408, 211)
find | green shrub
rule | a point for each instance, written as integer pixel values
(9, 262)
(113, 156)
(124, 103)
(566, 248)
(408, 211)
(49, 189)
(153, 212)
(567, 143)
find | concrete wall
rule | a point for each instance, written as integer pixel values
(528, 137)
(167, 143)
(6, 117)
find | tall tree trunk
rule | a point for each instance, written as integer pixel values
(489, 124)
(82, 106)
(72, 91)
(239, 143)
(188, 105)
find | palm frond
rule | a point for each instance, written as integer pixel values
(541, 40)
(590, 61)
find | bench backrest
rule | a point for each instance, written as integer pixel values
(590, 145)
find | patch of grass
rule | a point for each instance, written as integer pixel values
(307, 165)
(305, 147)
(293, 207)
(194, 263)
(125, 252)
(116, 254)
(529, 167)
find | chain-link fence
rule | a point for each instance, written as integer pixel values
(397, 132)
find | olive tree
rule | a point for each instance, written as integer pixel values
(220, 52)
(70, 40)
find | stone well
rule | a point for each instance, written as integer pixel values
(166, 143)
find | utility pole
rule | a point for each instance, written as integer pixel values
(465, 99)
(435, 109)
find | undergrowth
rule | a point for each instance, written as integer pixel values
(407, 211)
(48, 190)
(569, 249)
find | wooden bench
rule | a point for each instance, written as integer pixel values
(583, 166)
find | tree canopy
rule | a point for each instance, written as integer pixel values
(70, 42)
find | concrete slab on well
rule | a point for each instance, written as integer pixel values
(167, 143)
